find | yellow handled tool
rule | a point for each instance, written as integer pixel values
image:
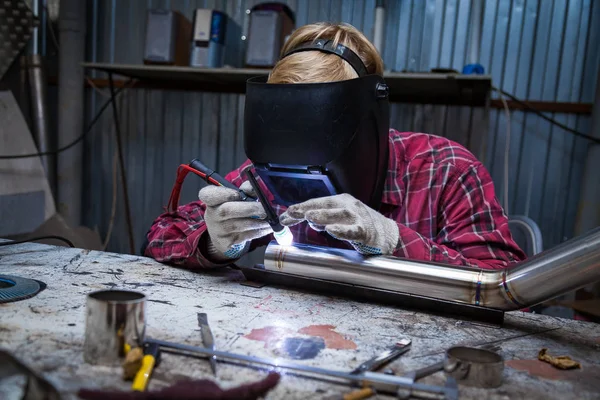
(151, 358)
(360, 394)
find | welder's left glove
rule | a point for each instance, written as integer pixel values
(346, 218)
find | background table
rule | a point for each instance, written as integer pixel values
(47, 330)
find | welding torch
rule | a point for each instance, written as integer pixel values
(213, 178)
(282, 234)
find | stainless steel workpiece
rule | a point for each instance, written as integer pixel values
(380, 382)
(564, 268)
(474, 367)
(113, 318)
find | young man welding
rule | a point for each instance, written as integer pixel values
(317, 133)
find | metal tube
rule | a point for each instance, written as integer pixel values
(476, 24)
(43, 27)
(564, 268)
(39, 111)
(114, 319)
(70, 108)
(35, 38)
(379, 26)
(383, 382)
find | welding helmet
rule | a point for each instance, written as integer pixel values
(309, 140)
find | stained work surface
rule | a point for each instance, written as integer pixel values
(47, 331)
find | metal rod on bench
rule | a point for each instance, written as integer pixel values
(380, 381)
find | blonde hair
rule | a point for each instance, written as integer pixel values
(316, 66)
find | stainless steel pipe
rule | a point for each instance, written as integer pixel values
(564, 268)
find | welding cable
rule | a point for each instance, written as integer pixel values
(34, 239)
(182, 172)
(543, 116)
(81, 137)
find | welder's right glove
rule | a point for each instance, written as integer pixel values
(231, 222)
(347, 218)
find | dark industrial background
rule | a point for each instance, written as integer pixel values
(537, 50)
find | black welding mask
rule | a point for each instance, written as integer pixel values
(319, 139)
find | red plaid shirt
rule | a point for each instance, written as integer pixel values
(439, 194)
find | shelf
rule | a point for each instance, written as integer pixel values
(423, 88)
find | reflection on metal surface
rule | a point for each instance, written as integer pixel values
(114, 318)
(552, 273)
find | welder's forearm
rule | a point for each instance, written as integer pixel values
(186, 248)
(414, 246)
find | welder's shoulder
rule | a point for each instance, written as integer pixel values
(432, 149)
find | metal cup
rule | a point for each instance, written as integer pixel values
(474, 367)
(114, 318)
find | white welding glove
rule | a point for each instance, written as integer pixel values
(347, 218)
(231, 222)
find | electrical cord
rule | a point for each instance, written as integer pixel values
(96, 88)
(118, 137)
(76, 141)
(33, 239)
(113, 208)
(543, 116)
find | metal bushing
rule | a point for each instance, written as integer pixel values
(474, 367)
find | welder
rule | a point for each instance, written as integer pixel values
(317, 134)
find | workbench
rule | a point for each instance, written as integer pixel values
(47, 331)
